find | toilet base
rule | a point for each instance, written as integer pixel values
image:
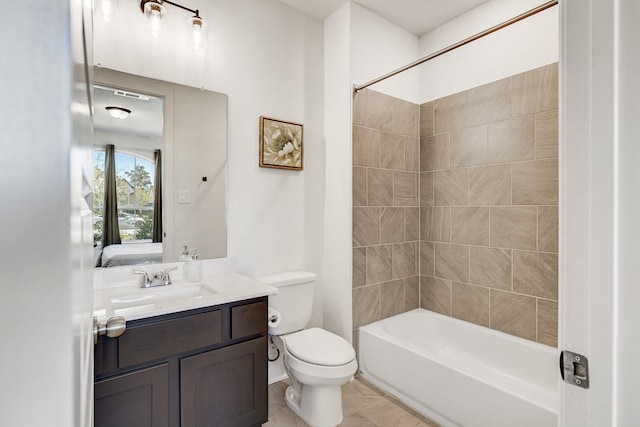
(315, 393)
(318, 406)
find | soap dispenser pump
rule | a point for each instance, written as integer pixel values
(185, 254)
(193, 267)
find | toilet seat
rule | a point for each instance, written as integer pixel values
(319, 347)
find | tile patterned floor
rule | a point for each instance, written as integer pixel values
(363, 406)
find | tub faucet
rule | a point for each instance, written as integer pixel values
(161, 278)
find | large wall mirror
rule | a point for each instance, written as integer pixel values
(168, 143)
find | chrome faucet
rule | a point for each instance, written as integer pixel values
(161, 278)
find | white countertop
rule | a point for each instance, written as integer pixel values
(133, 302)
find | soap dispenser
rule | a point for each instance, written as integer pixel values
(193, 267)
(185, 254)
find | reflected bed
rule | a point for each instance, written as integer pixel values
(131, 254)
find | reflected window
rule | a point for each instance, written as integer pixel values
(135, 193)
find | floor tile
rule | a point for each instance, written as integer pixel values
(285, 417)
(356, 420)
(390, 413)
(363, 405)
(354, 401)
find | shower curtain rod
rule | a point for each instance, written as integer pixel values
(493, 29)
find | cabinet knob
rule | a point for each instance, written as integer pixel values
(113, 327)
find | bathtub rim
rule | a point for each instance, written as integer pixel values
(464, 323)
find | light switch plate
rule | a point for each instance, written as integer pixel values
(184, 196)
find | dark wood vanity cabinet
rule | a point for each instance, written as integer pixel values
(134, 399)
(198, 368)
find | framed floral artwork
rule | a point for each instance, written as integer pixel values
(280, 144)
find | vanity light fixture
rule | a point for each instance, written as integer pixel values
(198, 37)
(154, 10)
(118, 112)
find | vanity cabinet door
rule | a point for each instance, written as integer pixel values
(135, 399)
(226, 387)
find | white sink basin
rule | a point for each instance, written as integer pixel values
(160, 294)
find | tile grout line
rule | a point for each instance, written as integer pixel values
(537, 228)
(490, 292)
(511, 255)
(537, 313)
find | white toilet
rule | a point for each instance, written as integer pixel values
(317, 362)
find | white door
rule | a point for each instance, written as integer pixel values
(81, 182)
(46, 278)
(600, 208)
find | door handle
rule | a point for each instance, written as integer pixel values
(112, 328)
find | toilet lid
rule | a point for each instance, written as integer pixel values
(320, 347)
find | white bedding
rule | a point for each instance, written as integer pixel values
(131, 254)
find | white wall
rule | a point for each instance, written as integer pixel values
(358, 46)
(267, 57)
(337, 212)
(378, 47)
(528, 44)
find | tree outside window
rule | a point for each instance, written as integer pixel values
(135, 194)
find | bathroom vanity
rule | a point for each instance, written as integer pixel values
(201, 362)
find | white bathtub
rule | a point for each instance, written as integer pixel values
(461, 374)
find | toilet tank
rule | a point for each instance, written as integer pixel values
(294, 300)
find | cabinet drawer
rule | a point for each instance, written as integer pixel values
(249, 319)
(157, 340)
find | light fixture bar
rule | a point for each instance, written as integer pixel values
(154, 10)
(194, 11)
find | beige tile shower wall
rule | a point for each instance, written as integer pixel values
(489, 205)
(386, 204)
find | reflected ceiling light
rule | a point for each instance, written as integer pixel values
(118, 112)
(154, 10)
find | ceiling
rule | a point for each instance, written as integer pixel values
(415, 16)
(141, 132)
(146, 112)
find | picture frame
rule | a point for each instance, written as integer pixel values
(281, 144)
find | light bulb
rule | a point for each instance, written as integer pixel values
(154, 23)
(198, 36)
(108, 10)
(154, 12)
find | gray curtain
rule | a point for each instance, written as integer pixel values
(157, 196)
(110, 227)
